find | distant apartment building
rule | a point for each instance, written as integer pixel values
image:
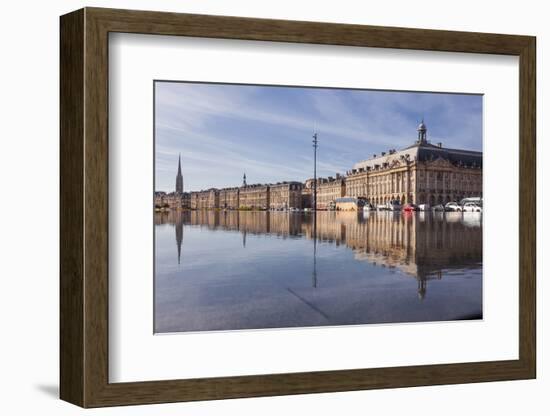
(194, 198)
(208, 199)
(229, 198)
(172, 200)
(285, 195)
(254, 197)
(328, 190)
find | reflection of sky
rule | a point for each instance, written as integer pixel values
(267, 283)
(223, 130)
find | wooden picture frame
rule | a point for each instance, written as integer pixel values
(84, 207)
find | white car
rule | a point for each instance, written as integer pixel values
(424, 207)
(471, 207)
(453, 207)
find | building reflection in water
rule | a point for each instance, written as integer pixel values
(421, 245)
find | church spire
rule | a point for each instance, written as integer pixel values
(244, 179)
(179, 177)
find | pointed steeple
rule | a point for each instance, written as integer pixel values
(179, 177)
(244, 179)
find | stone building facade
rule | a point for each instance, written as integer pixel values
(208, 199)
(285, 195)
(307, 193)
(421, 173)
(172, 200)
(328, 190)
(194, 200)
(185, 200)
(229, 198)
(254, 197)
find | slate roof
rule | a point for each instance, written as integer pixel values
(423, 152)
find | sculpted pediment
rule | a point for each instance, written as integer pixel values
(439, 163)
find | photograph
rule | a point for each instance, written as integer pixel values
(298, 206)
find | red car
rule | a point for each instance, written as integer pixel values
(410, 208)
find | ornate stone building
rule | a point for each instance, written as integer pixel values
(421, 173)
(254, 197)
(328, 189)
(285, 195)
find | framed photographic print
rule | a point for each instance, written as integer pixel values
(255, 207)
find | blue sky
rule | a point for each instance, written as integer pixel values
(224, 130)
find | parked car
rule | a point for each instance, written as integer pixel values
(394, 205)
(410, 208)
(424, 207)
(453, 207)
(368, 207)
(471, 207)
(438, 208)
(477, 200)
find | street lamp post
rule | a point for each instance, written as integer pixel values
(315, 145)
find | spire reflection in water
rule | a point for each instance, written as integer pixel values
(250, 270)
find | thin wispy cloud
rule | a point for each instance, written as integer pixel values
(225, 130)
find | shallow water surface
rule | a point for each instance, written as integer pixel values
(226, 270)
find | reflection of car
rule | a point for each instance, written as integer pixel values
(424, 207)
(453, 207)
(438, 208)
(471, 220)
(410, 207)
(471, 207)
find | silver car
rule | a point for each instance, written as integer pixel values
(471, 207)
